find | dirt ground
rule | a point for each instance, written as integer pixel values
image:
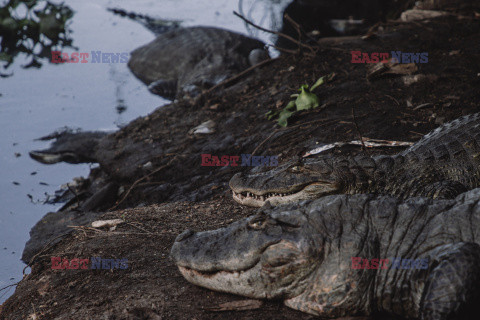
(186, 195)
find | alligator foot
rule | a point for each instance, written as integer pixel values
(453, 285)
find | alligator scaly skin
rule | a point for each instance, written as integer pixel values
(443, 164)
(302, 253)
(187, 60)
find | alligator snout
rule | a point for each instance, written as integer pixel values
(184, 235)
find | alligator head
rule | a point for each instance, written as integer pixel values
(299, 253)
(290, 182)
(262, 256)
(69, 147)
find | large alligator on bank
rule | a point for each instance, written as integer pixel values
(184, 61)
(443, 164)
(307, 254)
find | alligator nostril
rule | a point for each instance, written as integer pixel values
(184, 235)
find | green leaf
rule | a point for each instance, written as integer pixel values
(271, 114)
(5, 57)
(283, 118)
(9, 23)
(303, 87)
(50, 26)
(306, 100)
(290, 105)
(322, 80)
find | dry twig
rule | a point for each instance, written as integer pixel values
(235, 77)
(137, 182)
(299, 43)
(358, 131)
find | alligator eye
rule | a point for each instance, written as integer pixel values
(257, 223)
(295, 168)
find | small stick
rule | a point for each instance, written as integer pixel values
(396, 101)
(295, 25)
(137, 182)
(239, 75)
(275, 32)
(283, 50)
(75, 195)
(133, 225)
(45, 247)
(359, 133)
(289, 128)
(261, 143)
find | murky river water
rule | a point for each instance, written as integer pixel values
(35, 102)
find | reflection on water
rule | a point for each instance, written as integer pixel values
(33, 28)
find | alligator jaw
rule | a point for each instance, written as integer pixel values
(251, 199)
(286, 266)
(310, 191)
(224, 281)
(52, 158)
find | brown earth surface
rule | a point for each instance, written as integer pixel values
(182, 194)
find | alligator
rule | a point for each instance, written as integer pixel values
(182, 62)
(443, 164)
(70, 147)
(157, 26)
(305, 253)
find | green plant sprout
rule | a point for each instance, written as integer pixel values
(305, 100)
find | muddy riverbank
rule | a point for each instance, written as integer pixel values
(154, 164)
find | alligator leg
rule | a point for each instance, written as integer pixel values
(453, 284)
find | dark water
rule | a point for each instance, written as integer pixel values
(35, 102)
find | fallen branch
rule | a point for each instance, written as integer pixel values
(289, 129)
(283, 49)
(367, 142)
(108, 233)
(235, 77)
(137, 182)
(299, 43)
(266, 139)
(295, 25)
(358, 130)
(240, 305)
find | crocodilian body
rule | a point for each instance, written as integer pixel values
(443, 164)
(301, 253)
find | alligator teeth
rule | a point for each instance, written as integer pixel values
(248, 194)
